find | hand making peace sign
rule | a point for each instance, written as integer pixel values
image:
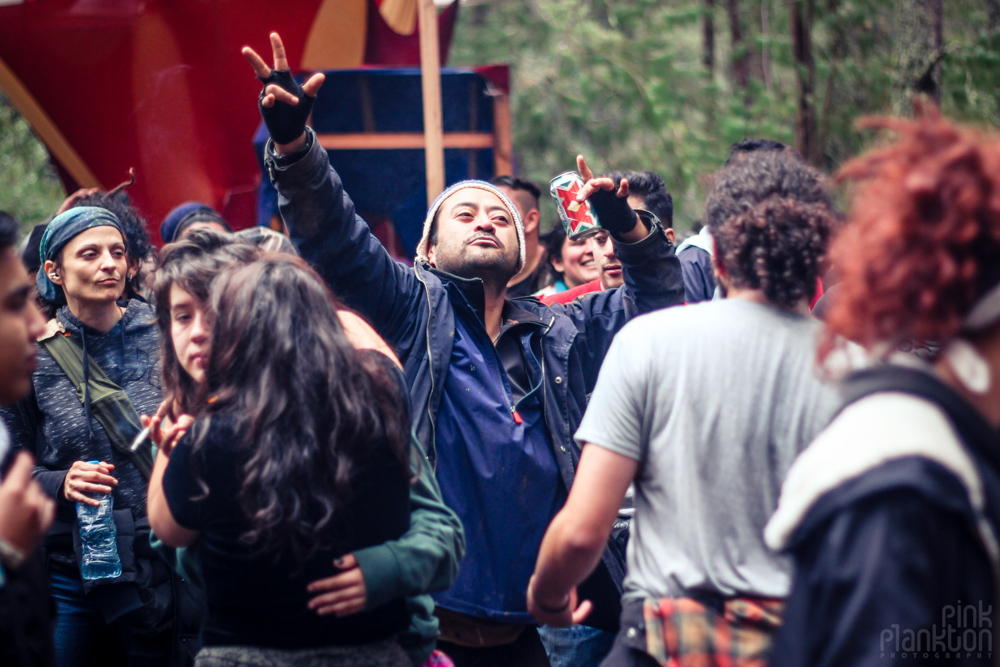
(284, 104)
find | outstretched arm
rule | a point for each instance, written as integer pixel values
(651, 271)
(577, 536)
(321, 218)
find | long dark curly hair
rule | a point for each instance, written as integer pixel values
(191, 264)
(311, 410)
(771, 217)
(923, 239)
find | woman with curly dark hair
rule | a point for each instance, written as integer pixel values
(706, 434)
(892, 513)
(298, 456)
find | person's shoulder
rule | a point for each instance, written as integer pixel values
(217, 433)
(880, 429)
(644, 334)
(680, 316)
(139, 317)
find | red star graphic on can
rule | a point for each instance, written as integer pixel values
(577, 217)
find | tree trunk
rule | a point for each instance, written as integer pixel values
(838, 53)
(741, 68)
(937, 22)
(708, 37)
(805, 68)
(914, 54)
(765, 45)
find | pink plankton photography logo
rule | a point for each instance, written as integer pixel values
(965, 632)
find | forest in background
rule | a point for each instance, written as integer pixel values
(669, 85)
(29, 187)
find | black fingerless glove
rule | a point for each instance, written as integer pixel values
(285, 122)
(613, 212)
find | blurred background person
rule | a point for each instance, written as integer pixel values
(892, 513)
(536, 273)
(26, 512)
(189, 216)
(572, 261)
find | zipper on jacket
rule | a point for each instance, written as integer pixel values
(430, 362)
(541, 362)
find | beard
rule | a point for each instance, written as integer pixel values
(495, 266)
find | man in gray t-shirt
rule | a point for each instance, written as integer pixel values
(707, 432)
(713, 428)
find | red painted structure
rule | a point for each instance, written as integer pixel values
(160, 85)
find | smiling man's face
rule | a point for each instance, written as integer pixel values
(476, 237)
(606, 261)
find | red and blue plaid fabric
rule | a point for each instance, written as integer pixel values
(681, 632)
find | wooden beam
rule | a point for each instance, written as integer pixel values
(22, 100)
(430, 77)
(503, 160)
(402, 140)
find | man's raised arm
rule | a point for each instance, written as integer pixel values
(650, 267)
(321, 218)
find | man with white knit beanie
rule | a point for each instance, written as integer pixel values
(497, 386)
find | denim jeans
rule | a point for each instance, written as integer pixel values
(575, 646)
(79, 622)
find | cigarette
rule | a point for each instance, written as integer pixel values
(139, 439)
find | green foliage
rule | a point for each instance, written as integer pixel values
(29, 187)
(622, 81)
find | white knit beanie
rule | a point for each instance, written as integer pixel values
(482, 185)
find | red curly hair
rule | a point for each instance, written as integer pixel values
(922, 242)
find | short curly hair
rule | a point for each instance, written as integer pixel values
(134, 226)
(922, 242)
(771, 217)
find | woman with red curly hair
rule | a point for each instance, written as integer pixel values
(892, 513)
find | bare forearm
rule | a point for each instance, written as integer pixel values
(576, 538)
(161, 519)
(155, 501)
(569, 553)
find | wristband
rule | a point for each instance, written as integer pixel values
(613, 212)
(550, 610)
(285, 122)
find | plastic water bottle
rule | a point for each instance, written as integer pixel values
(98, 533)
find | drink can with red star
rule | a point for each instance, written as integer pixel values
(578, 217)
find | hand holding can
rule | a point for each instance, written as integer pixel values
(577, 217)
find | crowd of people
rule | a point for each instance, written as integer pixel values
(520, 448)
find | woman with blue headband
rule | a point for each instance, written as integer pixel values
(84, 255)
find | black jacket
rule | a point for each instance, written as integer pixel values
(891, 564)
(26, 616)
(411, 308)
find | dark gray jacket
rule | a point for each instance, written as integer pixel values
(411, 307)
(51, 424)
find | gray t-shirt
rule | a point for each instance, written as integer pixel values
(714, 401)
